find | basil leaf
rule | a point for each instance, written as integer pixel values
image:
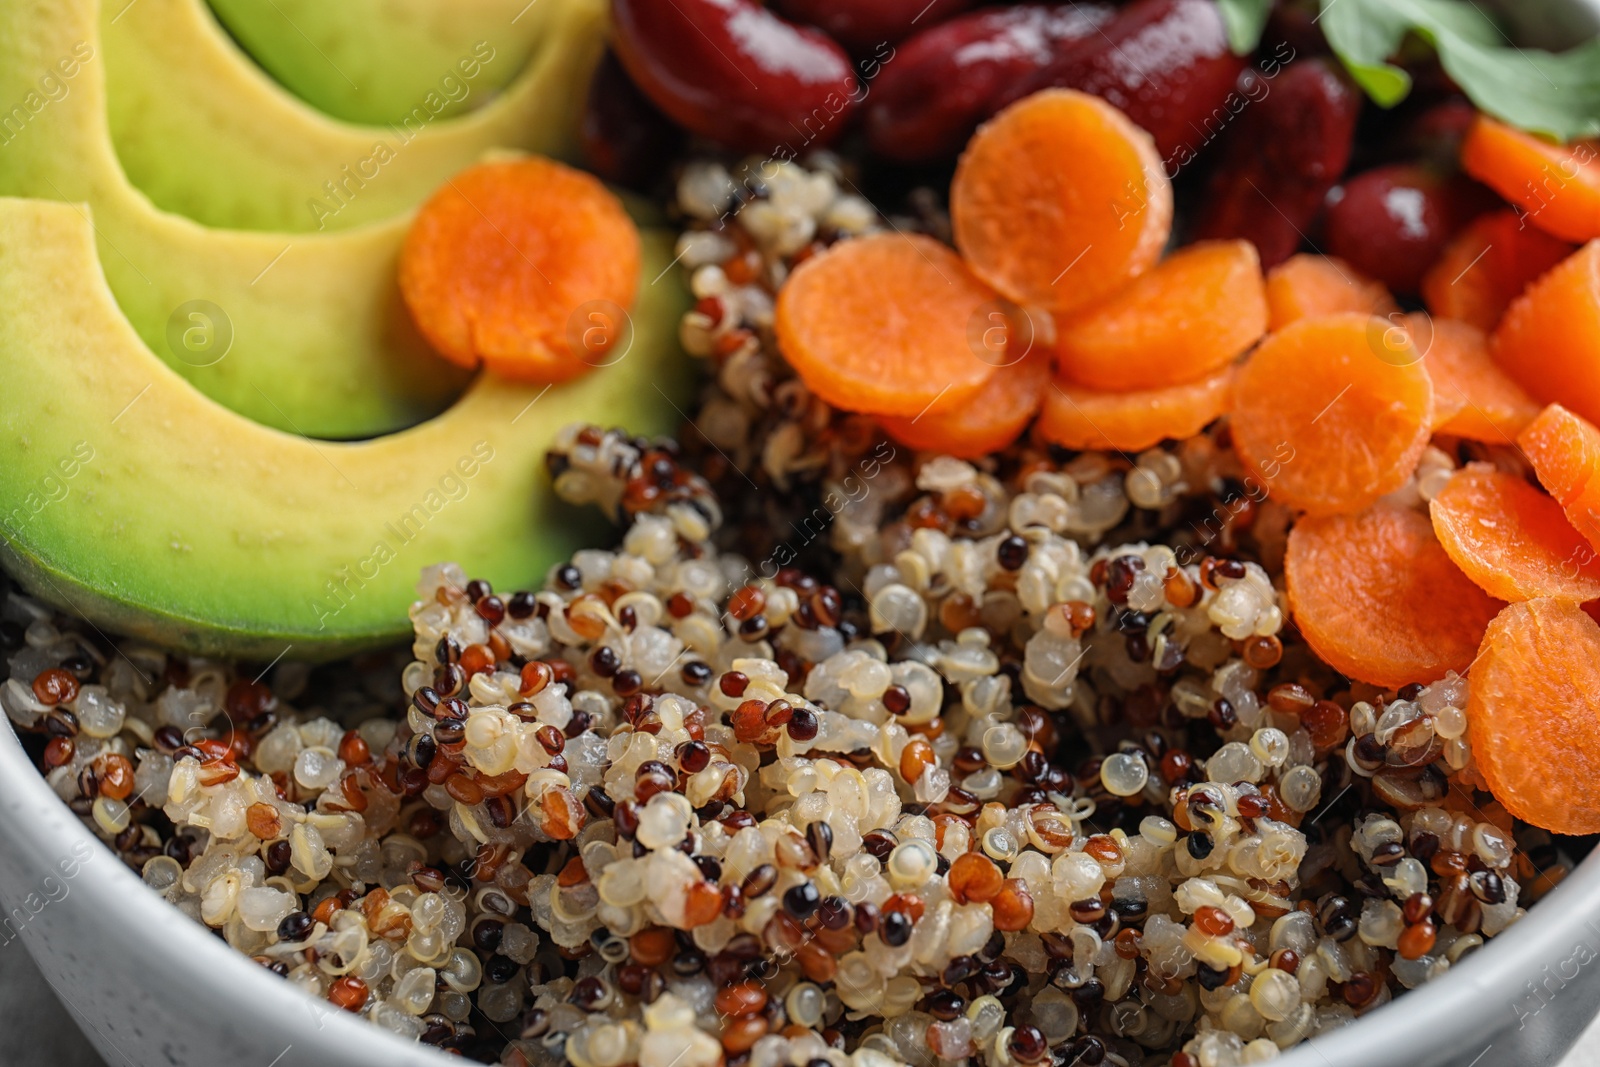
(1554, 94)
(1364, 36)
(1244, 21)
(1551, 93)
(1465, 20)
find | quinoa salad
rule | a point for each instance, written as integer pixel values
(1030, 768)
(1082, 697)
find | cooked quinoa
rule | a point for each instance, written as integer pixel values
(902, 759)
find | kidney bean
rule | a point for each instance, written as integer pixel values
(1391, 222)
(946, 80)
(1307, 121)
(863, 25)
(735, 73)
(624, 137)
(1281, 158)
(1433, 134)
(1294, 23)
(1271, 213)
(1166, 63)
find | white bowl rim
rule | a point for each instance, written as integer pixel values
(163, 931)
(1457, 1003)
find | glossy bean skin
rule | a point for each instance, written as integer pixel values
(624, 137)
(1281, 158)
(863, 25)
(1307, 121)
(1165, 63)
(1391, 222)
(946, 80)
(735, 73)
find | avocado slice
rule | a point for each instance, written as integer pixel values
(372, 60)
(128, 497)
(303, 332)
(203, 132)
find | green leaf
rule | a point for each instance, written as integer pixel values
(1386, 84)
(1550, 93)
(1244, 20)
(1364, 35)
(1464, 20)
(1557, 95)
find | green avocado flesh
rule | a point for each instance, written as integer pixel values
(303, 332)
(372, 60)
(130, 499)
(204, 133)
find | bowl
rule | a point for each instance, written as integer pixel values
(137, 975)
(149, 987)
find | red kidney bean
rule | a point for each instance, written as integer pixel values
(1307, 121)
(733, 72)
(946, 80)
(624, 137)
(1271, 213)
(863, 25)
(1392, 222)
(1295, 24)
(1433, 134)
(1281, 158)
(1166, 63)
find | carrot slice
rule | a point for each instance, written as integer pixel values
(1189, 315)
(1511, 539)
(1333, 412)
(1549, 339)
(1059, 200)
(1557, 186)
(1307, 286)
(525, 265)
(1533, 714)
(1377, 598)
(1472, 397)
(1565, 452)
(1075, 417)
(989, 421)
(883, 324)
(1488, 265)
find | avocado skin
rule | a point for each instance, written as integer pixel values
(129, 499)
(371, 61)
(207, 134)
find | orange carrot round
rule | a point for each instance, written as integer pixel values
(1333, 413)
(885, 324)
(1513, 540)
(1565, 452)
(1059, 200)
(1472, 397)
(1180, 321)
(1377, 598)
(1488, 265)
(1533, 714)
(1075, 417)
(524, 265)
(988, 422)
(1557, 186)
(1549, 339)
(1308, 286)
